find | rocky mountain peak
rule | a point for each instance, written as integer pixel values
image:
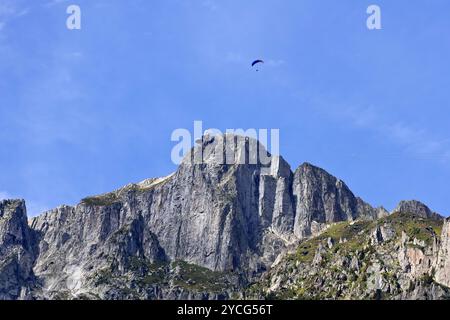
(313, 172)
(16, 251)
(322, 199)
(417, 208)
(13, 223)
(306, 166)
(227, 149)
(230, 208)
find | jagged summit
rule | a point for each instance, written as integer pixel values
(228, 149)
(309, 165)
(417, 208)
(16, 251)
(227, 221)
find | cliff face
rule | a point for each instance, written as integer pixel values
(418, 208)
(321, 198)
(16, 251)
(206, 231)
(443, 262)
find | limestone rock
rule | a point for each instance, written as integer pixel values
(443, 263)
(417, 208)
(16, 251)
(322, 199)
(229, 216)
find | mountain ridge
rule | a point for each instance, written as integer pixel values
(161, 238)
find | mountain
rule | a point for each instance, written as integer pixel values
(219, 229)
(399, 256)
(16, 251)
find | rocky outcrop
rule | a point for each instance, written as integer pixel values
(209, 214)
(417, 208)
(16, 251)
(443, 262)
(389, 258)
(415, 257)
(228, 215)
(322, 199)
(382, 233)
(366, 210)
(77, 242)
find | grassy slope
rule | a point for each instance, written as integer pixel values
(350, 239)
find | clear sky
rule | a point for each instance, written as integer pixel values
(86, 111)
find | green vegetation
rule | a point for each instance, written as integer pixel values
(178, 273)
(415, 226)
(102, 200)
(103, 276)
(115, 196)
(352, 233)
(337, 276)
(355, 235)
(153, 272)
(197, 278)
(306, 251)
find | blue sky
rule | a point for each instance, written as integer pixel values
(84, 112)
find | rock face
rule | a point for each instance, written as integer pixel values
(227, 216)
(16, 251)
(395, 257)
(321, 199)
(443, 262)
(417, 208)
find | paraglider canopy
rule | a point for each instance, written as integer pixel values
(256, 62)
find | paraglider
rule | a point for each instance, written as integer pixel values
(256, 63)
